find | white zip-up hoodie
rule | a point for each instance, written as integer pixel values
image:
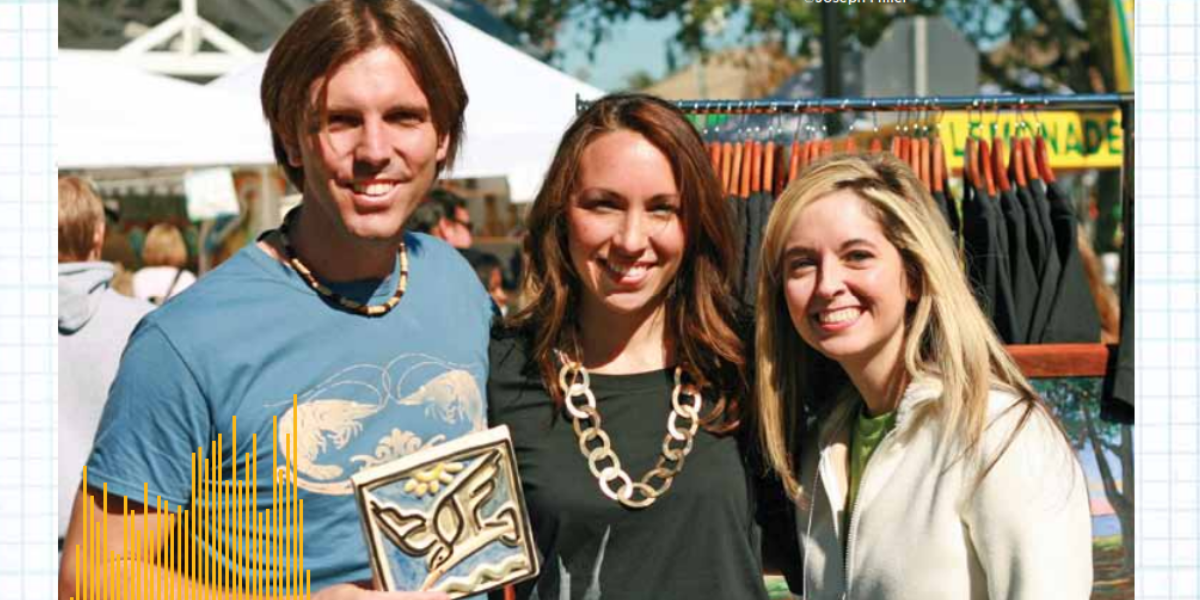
(922, 530)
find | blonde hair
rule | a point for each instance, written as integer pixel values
(164, 247)
(80, 215)
(948, 337)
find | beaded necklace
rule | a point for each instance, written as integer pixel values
(342, 301)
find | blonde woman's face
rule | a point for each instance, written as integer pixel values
(844, 283)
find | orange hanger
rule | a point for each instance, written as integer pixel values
(747, 163)
(827, 148)
(985, 162)
(735, 170)
(735, 174)
(794, 162)
(726, 166)
(714, 156)
(851, 146)
(1043, 160)
(1016, 162)
(1031, 170)
(754, 185)
(923, 161)
(999, 171)
(768, 169)
(938, 163)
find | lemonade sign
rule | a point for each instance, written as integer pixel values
(1074, 139)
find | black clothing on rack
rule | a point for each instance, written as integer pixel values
(987, 259)
(1049, 268)
(1074, 317)
(1021, 269)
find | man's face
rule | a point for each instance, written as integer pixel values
(375, 152)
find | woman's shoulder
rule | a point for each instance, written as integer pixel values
(509, 350)
(1015, 421)
(509, 337)
(514, 381)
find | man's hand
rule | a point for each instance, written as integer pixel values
(347, 591)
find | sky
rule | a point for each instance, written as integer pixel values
(635, 45)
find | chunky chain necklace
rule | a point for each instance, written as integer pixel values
(340, 300)
(596, 446)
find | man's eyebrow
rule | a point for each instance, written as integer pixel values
(399, 107)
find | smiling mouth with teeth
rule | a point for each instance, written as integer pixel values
(838, 316)
(373, 188)
(634, 269)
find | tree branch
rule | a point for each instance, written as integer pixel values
(1106, 475)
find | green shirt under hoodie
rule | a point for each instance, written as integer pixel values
(864, 439)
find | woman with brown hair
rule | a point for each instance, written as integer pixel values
(623, 380)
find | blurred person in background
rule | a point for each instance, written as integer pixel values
(454, 223)
(425, 218)
(491, 274)
(164, 256)
(94, 323)
(118, 251)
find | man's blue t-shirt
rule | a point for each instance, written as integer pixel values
(252, 333)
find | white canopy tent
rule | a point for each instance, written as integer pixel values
(113, 115)
(518, 110)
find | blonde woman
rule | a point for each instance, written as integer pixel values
(932, 470)
(164, 256)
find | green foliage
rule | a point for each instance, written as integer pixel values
(1049, 49)
(1068, 398)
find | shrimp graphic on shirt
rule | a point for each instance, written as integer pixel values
(422, 394)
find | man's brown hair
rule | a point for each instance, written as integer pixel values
(331, 33)
(80, 213)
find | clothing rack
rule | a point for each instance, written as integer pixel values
(1019, 102)
(1031, 102)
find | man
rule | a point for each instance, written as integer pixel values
(94, 323)
(365, 105)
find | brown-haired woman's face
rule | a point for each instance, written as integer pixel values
(624, 231)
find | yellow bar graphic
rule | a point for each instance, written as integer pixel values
(220, 546)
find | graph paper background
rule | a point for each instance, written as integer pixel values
(28, 41)
(1168, 294)
(1167, 438)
